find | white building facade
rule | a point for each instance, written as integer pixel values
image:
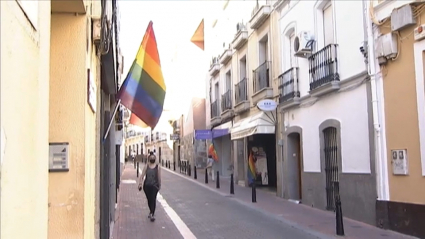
(325, 108)
(306, 56)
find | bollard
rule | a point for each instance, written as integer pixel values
(206, 176)
(174, 166)
(195, 173)
(137, 170)
(217, 183)
(232, 185)
(189, 170)
(338, 211)
(254, 192)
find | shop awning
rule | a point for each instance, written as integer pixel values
(261, 123)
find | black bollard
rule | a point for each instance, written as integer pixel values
(195, 173)
(232, 185)
(206, 176)
(189, 170)
(338, 211)
(254, 192)
(217, 182)
(174, 166)
(137, 170)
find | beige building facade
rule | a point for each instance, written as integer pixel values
(25, 54)
(50, 60)
(402, 74)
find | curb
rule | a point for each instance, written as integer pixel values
(277, 217)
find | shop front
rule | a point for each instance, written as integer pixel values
(257, 163)
(218, 141)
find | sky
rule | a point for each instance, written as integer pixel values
(174, 23)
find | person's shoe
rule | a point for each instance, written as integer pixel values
(150, 215)
(152, 218)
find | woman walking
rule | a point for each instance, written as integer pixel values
(150, 181)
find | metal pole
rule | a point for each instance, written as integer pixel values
(232, 185)
(217, 183)
(195, 174)
(206, 176)
(110, 122)
(254, 192)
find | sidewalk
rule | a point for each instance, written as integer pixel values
(297, 214)
(131, 220)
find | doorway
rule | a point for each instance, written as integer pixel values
(331, 165)
(294, 166)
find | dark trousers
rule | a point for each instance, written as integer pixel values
(151, 192)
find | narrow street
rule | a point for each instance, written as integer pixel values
(189, 209)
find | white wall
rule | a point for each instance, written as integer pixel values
(350, 109)
(349, 34)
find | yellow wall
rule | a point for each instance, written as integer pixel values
(401, 116)
(72, 194)
(24, 119)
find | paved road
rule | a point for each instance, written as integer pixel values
(211, 216)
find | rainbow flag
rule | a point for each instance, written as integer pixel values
(212, 152)
(252, 175)
(143, 90)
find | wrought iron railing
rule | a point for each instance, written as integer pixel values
(288, 85)
(262, 77)
(226, 100)
(241, 91)
(215, 109)
(323, 66)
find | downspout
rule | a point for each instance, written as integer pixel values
(380, 162)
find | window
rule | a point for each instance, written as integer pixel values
(228, 81)
(291, 51)
(216, 91)
(30, 9)
(264, 49)
(242, 68)
(328, 29)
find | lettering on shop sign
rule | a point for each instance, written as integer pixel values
(267, 105)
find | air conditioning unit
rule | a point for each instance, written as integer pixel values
(97, 29)
(303, 44)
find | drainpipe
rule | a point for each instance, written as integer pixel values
(380, 162)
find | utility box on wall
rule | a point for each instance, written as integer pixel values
(402, 17)
(399, 162)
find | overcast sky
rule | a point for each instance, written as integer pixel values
(174, 23)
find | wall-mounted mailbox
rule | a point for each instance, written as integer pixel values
(58, 157)
(399, 162)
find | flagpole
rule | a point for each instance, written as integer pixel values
(110, 122)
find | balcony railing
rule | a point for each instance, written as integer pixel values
(262, 77)
(288, 85)
(215, 109)
(241, 89)
(226, 100)
(323, 66)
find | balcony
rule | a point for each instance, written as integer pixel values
(241, 96)
(262, 88)
(226, 56)
(259, 16)
(226, 105)
(214, 67)
(289, 94)
(215, 113)
(241, 38)
(323, 70)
